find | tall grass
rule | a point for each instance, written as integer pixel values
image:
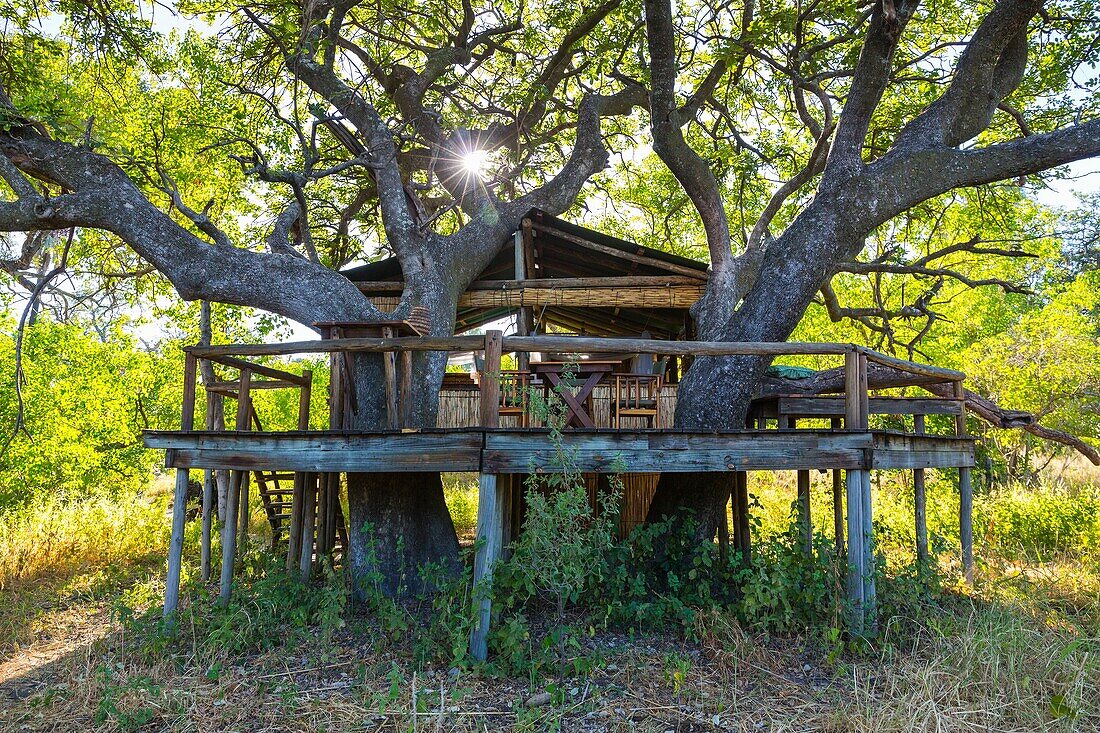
(55, 553)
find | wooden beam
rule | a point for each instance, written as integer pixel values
(179, 506)
(966, 495)
(207, 500)
(824, 406)
(658, 296)
(607, 452)
(490, 380)
(230, 361)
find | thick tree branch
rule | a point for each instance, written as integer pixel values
(869, 81)
(103, 197)
(988, 70)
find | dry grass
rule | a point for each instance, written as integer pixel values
(989, 670)
(1020, 652)
(56, 556)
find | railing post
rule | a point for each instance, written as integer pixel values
(490, 380)
(861, 579)
(492, 496)
(966, 492)
(179, 507)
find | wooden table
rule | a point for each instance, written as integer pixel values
(587, 372)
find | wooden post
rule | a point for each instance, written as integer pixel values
(294, 534)
(860, 583)
(838, 502)
(179, 506)
(490, 529)
(966, 494)
(309, 522)
(920, 506)
(524, 315)
(207, 500)
(741, 537)
(232, 506)
(389, 370)
(805, 522)
(244, 407)
(724, 532)
(490, 504)
(492, 499)
(490, 380)
(405, 389)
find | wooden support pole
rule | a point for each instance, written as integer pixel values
(724, 532)
(966, 495)
(491, 500)
(208, 507)
(244, 422)
(860, 583)
(309, 522)
(294, 533)
(490, 380)
(490, 529)
(805, 521)
(838, 502)
(741, 536)
(179, 506)
(232, 505)
(920, 506)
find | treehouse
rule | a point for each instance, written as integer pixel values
(603, 326)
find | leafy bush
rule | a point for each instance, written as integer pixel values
(86, 400)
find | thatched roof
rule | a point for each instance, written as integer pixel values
(560, 249)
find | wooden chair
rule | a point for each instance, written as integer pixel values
(637, 395)
(514, 390)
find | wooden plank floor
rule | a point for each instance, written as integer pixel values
(530, 450)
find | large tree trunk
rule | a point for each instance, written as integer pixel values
(398, 522)
(716, 392)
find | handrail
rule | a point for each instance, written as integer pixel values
(584, 344)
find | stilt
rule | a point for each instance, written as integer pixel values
(244, 507)
(920, 507)
(297, 503)
(805, 522)
(229, 537)
(741, 537)
(966, 494)
(861, 581)
(490, 529)
(232, 507)
(838, 503)
(179, 506)
(724, 532)
(207, 501)
(309, 522)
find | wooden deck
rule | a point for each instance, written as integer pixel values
(511, 451)
(811, 432)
